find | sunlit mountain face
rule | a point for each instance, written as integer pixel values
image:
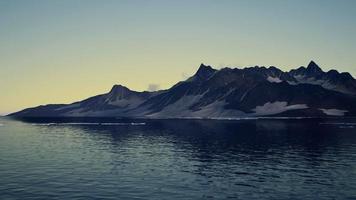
(225, 93)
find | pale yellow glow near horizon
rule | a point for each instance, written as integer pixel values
(49, 86)
(66, 51)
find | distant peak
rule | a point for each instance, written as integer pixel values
(312, 66)
(312, 62)
(204, 71)
(333, 72)
(205, 67)
(118, 88)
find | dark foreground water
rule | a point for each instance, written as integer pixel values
(178, 159)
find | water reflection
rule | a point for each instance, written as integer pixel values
(193, 159)
(209, 138)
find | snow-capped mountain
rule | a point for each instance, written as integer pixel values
(224, 93)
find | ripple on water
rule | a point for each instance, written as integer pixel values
(176, 159)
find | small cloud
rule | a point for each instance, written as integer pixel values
(153, 87)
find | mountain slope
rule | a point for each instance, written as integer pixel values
(118, 101)
(224, 93)
(332, 80)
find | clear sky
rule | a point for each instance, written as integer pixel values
(66, 50)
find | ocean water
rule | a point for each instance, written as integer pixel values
(177, 159)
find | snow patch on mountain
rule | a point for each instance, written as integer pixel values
(308, 80)
(179, 108)
(323, 83)
(276, 107)
(274, 79)
(334, 112)
(292, 83)
(217, 110)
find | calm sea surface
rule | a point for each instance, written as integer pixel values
(177, 159)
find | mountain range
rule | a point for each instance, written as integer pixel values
(226, 93)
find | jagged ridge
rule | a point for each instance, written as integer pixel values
(225, 93)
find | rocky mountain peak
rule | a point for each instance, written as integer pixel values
(314, 68)
(120, 91)
(204, 71)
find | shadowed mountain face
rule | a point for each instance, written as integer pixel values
(332, 80)
(224, 93)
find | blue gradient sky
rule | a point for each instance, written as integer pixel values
(63, 51)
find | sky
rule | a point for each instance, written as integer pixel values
(68, 50)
